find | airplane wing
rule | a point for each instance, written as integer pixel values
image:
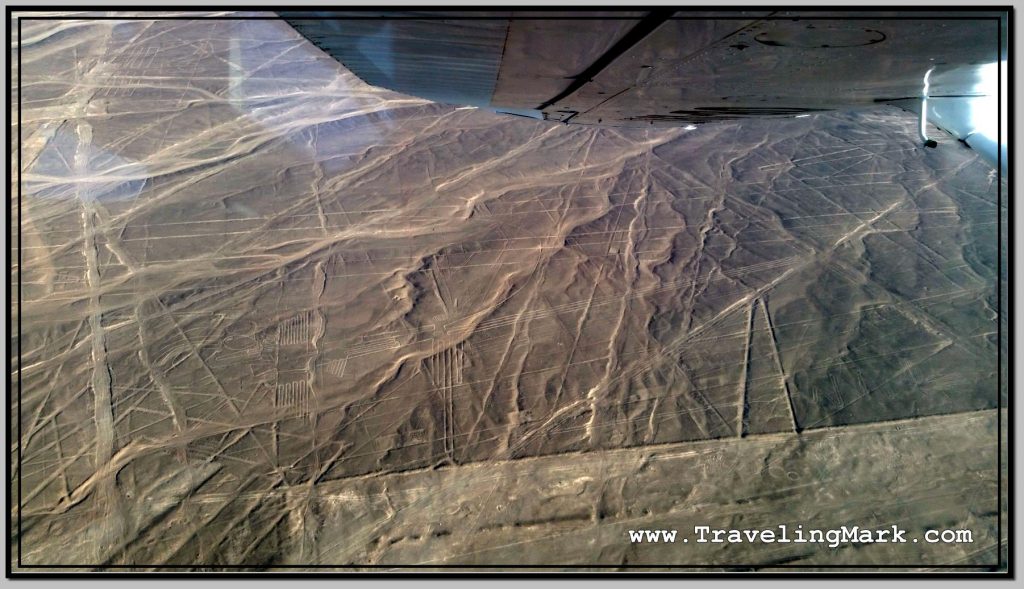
(680, 68)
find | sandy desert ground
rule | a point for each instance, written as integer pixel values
(272, 316)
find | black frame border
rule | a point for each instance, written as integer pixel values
(534, 570)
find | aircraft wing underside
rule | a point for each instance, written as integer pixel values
(672, 68)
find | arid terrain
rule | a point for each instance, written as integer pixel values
(272, 316)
